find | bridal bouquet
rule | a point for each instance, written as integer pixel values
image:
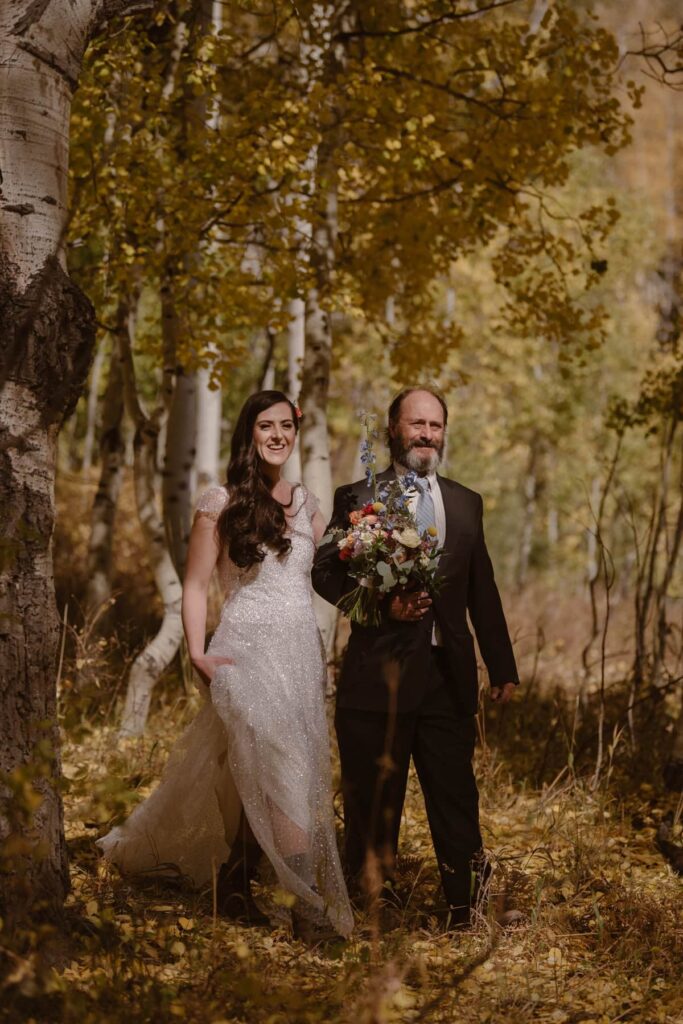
(382, 544)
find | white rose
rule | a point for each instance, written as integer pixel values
(409, 538)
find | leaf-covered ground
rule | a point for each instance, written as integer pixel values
(601, 940)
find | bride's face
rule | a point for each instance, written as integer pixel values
(275, 434)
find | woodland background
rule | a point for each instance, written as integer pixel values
(339, 200)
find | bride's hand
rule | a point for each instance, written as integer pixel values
(206, 665)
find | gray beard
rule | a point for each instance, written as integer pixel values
(423, 465)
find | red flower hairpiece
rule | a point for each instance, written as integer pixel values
(297, 410)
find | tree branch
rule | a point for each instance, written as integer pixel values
(423, 26)
(106, 10)
(659, 54)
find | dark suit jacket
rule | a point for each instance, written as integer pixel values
(386, 666)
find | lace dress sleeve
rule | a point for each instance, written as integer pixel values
(310, 503)
(212, 502)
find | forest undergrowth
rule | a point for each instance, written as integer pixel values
(601, 938)
(600, 935)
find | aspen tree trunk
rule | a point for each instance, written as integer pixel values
(315, 389)
(267, 374)
(296, 346)
(322, 61)
(112, 459)
(179, 478)
(208, 432)
(179, 466)
(48, 332)
(529, 517)
(91, 408)
(161, 650)
(314, 436)
(178, 399)
(209, 405)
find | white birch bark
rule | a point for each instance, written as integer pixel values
(112, 460)
(314, 435)
(208, 432)
(161, 650)
(209, 404)
(48, 332)
(320, 59)
(296, 344)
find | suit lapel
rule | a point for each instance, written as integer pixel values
(449, 511)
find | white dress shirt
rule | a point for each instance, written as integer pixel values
(439, 515)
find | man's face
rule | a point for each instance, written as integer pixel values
(417, 438)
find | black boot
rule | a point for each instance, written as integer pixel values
(233, 887)
(465, 885)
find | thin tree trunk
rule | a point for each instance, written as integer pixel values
(209, 404)
(296, 346)
(180, 381)
(317, 362)
(664, 584)
(161, 650)
(314, 438)
(599, 495)
(267, 374)
(112, 458)
(91, 408)
(179, 466)
(209, 414)
(321, 60)
(592, 567)
(646, 584)
(529, 517)
(48, 331)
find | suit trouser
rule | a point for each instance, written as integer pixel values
(375, 751)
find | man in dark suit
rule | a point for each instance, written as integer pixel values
(408, 687)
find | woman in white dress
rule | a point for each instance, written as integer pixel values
(251, 774)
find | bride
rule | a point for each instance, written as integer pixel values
(251, 774)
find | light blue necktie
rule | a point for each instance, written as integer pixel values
(424, 512)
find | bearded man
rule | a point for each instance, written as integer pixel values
(408, 687)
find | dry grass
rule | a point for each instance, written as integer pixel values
(602, 938)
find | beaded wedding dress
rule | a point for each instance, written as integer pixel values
(259, 743)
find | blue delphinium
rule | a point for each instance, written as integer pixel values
(367, 449)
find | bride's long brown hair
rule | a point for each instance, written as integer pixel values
(252, 519)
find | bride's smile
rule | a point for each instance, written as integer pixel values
(275, 434)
